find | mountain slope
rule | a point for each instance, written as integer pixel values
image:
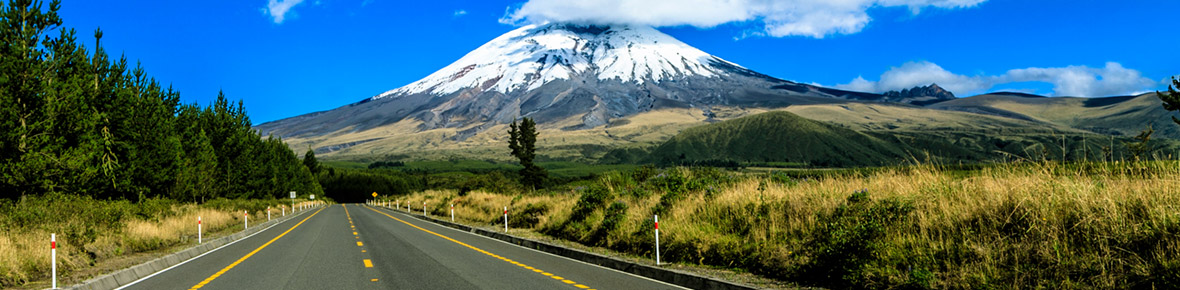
(1120, 115)
(555, 73)
(595, 88)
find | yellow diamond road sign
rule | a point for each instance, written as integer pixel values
(374, 194)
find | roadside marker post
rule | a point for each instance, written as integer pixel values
(284, 210)
(423, 208)
(399, 204)
(505, 219)
(246, 219)
(452, 212)
(198, 229)
(292, 202)
(268, 213)
(53, 257)
(657, 223)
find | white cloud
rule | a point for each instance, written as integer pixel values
(278, 9)
(778, 18)
(1080, 81)
(460, 12)
(1084, 81)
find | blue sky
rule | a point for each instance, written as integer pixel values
(321, 54)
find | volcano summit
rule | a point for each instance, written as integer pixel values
(567, 77)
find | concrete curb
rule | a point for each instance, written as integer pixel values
(128, 275)
(683, 279)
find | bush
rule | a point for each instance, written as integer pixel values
(594, 197)
(529, 216)
(614, 217)
(848, 240)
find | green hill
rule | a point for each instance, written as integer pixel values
(778, 137)
(1119, 116)
(783, 137)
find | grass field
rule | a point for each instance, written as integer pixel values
(91, 232)
(1032, 225)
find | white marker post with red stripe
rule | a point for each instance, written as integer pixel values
(452, 212)
(53, 257)
(284, 210)
(505, 219)
(246, 219)
(657, 222)
(198, 229)
(268, 213)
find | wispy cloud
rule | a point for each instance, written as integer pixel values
(1079, 81)
(777, 18)
(278, 9)
(460, 12)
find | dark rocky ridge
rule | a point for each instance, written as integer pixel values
(921, 95)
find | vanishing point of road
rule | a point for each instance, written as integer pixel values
(360, 247)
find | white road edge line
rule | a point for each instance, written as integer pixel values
(205, 253)
(547, 253)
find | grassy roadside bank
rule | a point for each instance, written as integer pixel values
(1043, 225)
(93, 232)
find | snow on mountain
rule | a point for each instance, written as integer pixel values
(578, 77)
(533, 55)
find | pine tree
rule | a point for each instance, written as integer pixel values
(79, 123)
(522, 140)
(310, 162)
(1171, 98)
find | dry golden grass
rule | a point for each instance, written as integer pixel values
(1006, 226)
(24, 251)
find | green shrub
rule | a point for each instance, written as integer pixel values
(614, 217)
(848, 240)
(528, 217)
(592, 199)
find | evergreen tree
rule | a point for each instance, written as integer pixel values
(522, 140)
(1171, 98)
(310, 162)
(1142, 145)
(78, 123)
(196, 176)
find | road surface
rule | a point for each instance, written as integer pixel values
(360, 247)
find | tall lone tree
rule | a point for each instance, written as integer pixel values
(522, 139)
(310, 162)
(1171, 98)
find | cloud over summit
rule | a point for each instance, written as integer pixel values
(777, 18)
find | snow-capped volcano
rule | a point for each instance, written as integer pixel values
(533, 55)
(584, 74)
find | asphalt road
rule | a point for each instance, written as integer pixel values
(359, 247)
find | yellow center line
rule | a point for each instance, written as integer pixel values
(575, 284)
(247, 256)
(368, 263)
(359, 244)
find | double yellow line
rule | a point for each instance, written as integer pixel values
(247, 256)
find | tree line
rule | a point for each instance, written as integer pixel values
(79, 122)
